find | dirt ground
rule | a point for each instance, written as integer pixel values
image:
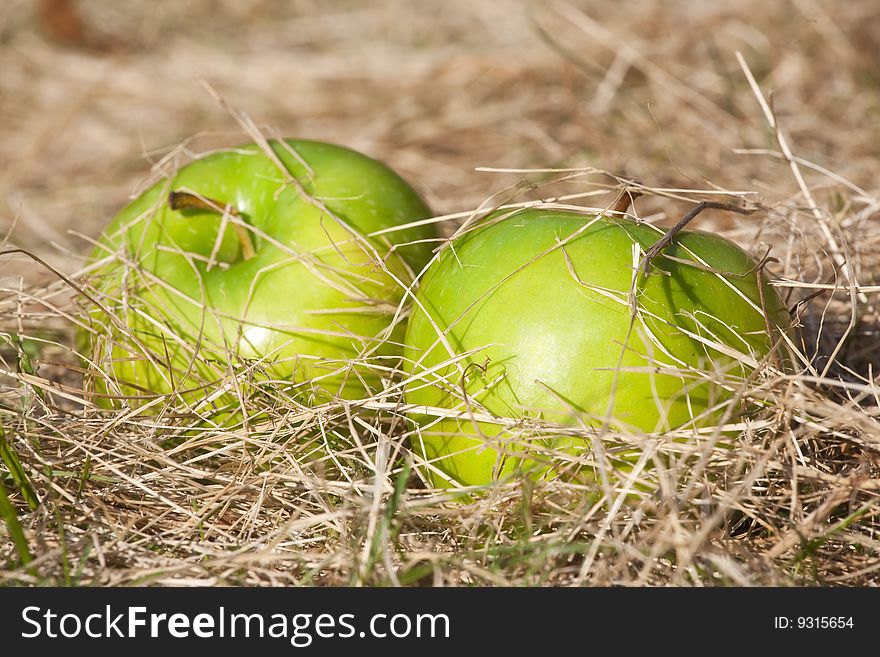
(471, 101)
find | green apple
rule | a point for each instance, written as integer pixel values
(545, 314)
(258, 265)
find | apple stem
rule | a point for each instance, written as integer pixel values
(624, 199)
(186, 201)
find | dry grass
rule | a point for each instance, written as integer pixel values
(647, 90)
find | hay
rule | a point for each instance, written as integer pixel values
(543, 98)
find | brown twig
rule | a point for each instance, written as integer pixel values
(670, 234)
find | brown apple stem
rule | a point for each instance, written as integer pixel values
(670, 234)
(186, 201)
(624, 199)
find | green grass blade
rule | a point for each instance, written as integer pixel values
(394, 502)
(16, 533)
(19, 476)
(386, 528)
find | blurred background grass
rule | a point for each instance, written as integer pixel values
(649, 89)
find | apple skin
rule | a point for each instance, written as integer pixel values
(547, 327)
(174, 318)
